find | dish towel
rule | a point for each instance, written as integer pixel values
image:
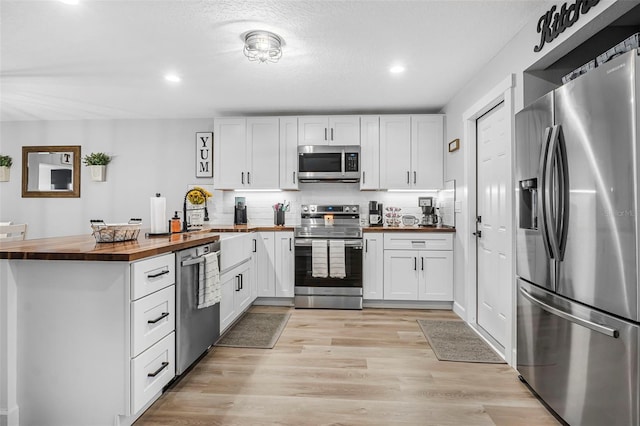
(319, 266)
(209, 291)
(336, 259)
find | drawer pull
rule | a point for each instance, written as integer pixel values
(162, 367)
(166, 271)
(164, 315)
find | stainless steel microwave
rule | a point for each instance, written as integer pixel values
(329, 163)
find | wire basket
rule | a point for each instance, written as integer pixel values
(116, 232)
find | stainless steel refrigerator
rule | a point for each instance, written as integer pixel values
(577, 181)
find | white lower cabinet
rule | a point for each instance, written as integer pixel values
(265, 267)
(372, 267)
(236, 293)
(418, 266)
(284, 264)
(151, 370)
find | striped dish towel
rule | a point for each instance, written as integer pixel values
(209, 291)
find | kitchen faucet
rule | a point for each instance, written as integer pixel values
(184, 208)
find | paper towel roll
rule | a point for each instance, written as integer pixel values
(159, 220)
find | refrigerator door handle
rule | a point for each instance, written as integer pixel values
(570, 317)
(550, 195)
(563, 203)
(542, 193)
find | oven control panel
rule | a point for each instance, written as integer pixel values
(330, 209)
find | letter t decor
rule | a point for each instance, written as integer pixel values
(204, 155)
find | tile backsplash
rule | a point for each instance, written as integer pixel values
(260, 204)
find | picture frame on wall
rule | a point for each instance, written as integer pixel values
(204, 154)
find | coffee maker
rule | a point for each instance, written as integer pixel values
(376, 216)
(240, 212)
(429, 217)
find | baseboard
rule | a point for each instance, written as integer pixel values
(460, 310)
(406, 304)
(274, 301)
(10, 417)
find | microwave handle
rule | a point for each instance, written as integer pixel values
(342, 162)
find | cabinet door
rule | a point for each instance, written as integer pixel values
(436, 281)
(313, 130)
(230, 148)
(395, 152)
(229, 286)
(263, 153)
(284, 262)
(265, 264)
(427, 138)
(372, 267)
(401, 274)
(370, 152)
(243, 292)
(344, 130)
(288, 153)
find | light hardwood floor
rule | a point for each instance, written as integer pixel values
(337, 367)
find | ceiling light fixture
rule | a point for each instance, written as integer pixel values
(397, 69)
(262, 46)
(72, 2)
(173, 78)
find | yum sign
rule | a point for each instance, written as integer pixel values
(204, 154)
(554, 22)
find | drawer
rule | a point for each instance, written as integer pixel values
(152, 318)
(418, 241)
(235, 249)
(151, 370)
(152, 274)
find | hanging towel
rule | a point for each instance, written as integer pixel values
(209, 291)
(336, 259)
(319, 266)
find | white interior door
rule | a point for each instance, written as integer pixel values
(494, 257)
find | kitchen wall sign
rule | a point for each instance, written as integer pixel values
(204, 154)
(553, 23)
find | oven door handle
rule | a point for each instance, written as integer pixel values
(306, 242)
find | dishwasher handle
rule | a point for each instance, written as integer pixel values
(197, 260)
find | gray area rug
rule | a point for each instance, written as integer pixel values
(255, 330)
(456, 341)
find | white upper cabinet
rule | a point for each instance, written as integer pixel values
(230, 150)
(395, 152)
(411, 151)
(288, 152)
(246, 153)
(263, 147)
(427, 140)
(329, 130)
(370, 152)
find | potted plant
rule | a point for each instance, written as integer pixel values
(97, 163)
(5, 167)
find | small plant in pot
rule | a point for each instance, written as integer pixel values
(5, 167)
(97, 163)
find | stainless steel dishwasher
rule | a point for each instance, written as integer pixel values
(196, 329)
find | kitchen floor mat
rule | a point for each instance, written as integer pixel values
(456, 341)
(255, 330)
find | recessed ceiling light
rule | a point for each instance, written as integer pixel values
(69, 1)
(173, 78)
(396, 69)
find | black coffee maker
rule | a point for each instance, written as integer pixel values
(376, 215)
(240, 212)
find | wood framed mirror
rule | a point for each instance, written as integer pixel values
(51, 171)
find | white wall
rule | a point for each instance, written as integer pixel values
(149, 156)
(516, 57)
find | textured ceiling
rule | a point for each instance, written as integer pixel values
(107, 59)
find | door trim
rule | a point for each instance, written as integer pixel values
(467, 309)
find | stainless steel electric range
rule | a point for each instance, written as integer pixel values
(328, 257)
